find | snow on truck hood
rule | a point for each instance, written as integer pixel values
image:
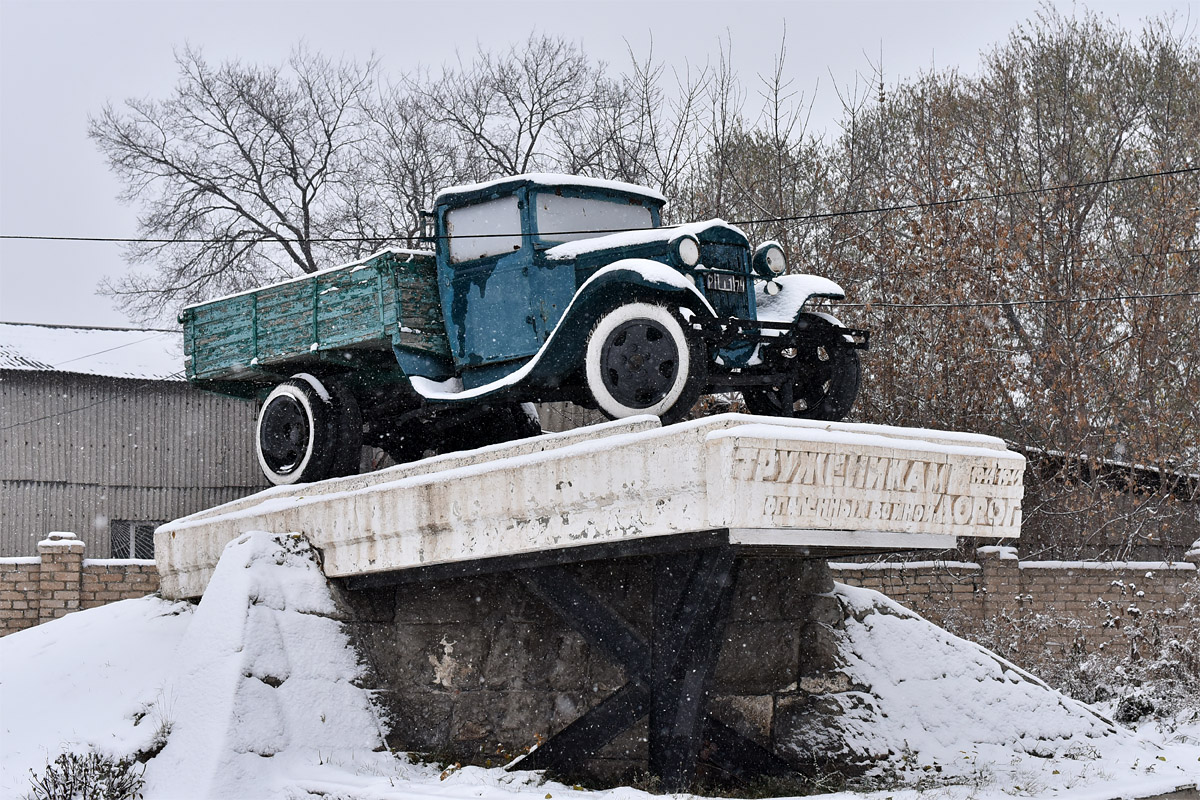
(571, 250)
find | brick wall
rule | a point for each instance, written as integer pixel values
(1046, 616)
(60, 580)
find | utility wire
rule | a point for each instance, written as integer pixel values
(116, 347)
(76, 410)
(157, 334)
(973, 304)
(1028, 302)
(763, 221)
(974, 198)
(796, 218)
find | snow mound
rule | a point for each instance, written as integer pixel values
(255, 695)
(84, 682)
(913, 698)
(264, 679)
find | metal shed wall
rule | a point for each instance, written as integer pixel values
(77, 451)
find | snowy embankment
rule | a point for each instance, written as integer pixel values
(255, 694)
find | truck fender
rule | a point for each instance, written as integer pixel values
(629, 280)
(784, 298)
(638, 278)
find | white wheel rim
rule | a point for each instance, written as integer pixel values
(593, 359)
(284, 479)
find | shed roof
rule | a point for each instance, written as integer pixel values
(145, 354)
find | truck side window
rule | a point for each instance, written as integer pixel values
(490, 228)
(565, 219)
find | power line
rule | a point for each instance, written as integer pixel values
(763, 221)
(1025, 302)
(77, 409)
(975, 198)
(970, 304)
(156, 334)
(117, 347)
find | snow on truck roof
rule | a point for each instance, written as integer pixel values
(549, 179)
(107, 352)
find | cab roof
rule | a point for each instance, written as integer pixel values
(455, 195)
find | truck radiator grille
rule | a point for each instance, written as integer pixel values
(731, 258)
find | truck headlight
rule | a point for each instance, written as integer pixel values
(687, 250)
(769, 259)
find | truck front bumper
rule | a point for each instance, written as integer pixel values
(769, 350)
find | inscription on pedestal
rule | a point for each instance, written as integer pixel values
(811, 485)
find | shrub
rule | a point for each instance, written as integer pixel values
(93, 776)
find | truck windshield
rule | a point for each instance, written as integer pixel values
(566, 219)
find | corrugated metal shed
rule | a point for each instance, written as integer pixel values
(98, 429)
(105, 352)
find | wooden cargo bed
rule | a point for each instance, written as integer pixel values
(388, 299)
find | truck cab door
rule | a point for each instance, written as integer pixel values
(493, 292)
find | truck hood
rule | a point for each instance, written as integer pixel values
(612, 241)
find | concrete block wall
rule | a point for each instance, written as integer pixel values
(60, 580)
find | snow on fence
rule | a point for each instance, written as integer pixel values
(60, 580)
(1045, 615)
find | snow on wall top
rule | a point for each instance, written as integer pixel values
(553, 179)
(107, 352)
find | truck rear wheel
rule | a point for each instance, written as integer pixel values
(348, 420)
(305, 432)
(640, 359)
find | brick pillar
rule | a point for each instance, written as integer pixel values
(1000, 579)
(61, 575)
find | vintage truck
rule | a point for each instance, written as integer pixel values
(538, 288)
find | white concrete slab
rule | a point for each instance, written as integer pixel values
(768, 482)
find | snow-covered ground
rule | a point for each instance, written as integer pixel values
(252, 694)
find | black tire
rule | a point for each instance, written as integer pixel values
(642, 359)
(296, 434)
(827, 381)
(348, 422)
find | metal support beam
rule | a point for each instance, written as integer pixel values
(691, 604)
(667, 678)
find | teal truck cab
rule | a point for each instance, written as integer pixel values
(539, 288)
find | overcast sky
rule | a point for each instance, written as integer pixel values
(61, 61)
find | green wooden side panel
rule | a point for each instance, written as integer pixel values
(220, 338)
(390, 298)
(351, 306)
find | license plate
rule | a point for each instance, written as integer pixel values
(725, 283)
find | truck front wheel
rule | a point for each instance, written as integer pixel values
(640, 359)
(299, 433)
(826, 380)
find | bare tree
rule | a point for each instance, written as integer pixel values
(1061, 110)
(660, 142)
(406, 158)
(240, 174)
(523, 110)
